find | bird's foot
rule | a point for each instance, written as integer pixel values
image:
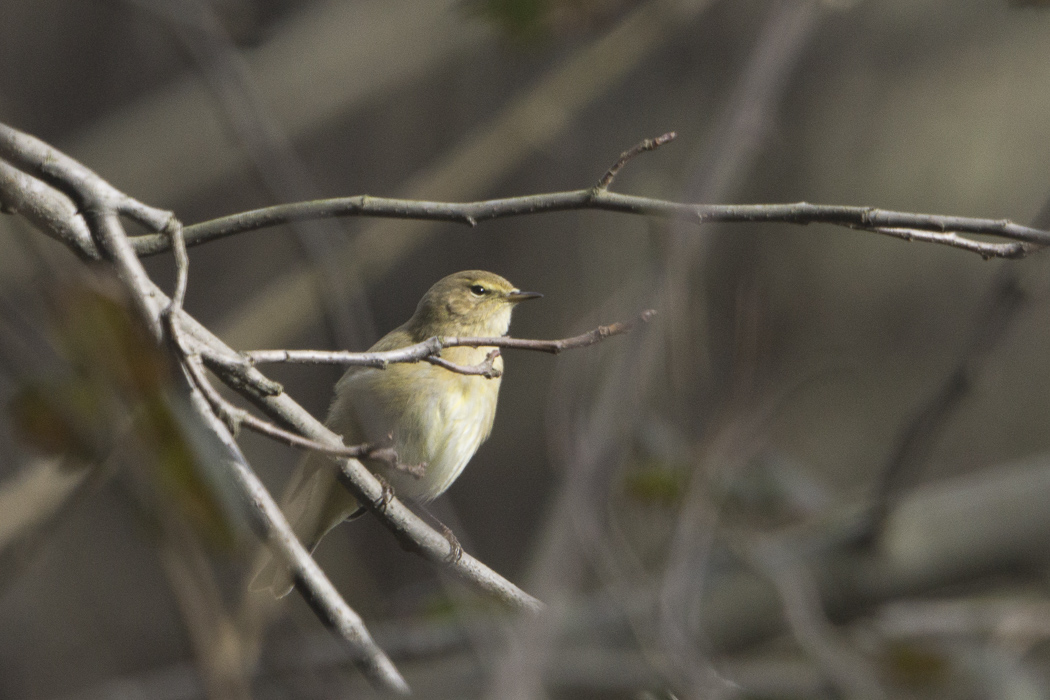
(386, 496)
(417, 471)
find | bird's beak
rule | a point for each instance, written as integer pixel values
(518, 295)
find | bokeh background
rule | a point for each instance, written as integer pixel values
(704, 504)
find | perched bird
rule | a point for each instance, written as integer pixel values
(432, 416)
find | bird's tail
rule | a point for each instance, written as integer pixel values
(273, 575)
(304, 503)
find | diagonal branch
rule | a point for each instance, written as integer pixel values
(1015, 249)
(413, 533)
(319, 592)
(235, 417)
(48, 205)
(626, 156)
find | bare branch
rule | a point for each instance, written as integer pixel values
(273, 528)
(23, 194)
(484, 369)
(427, 349)
(982, 248)
(100, 205)
(471, 213)
(236, 417)
(414, 534)
(646, 145)
(72, 177)
(315, 587)
(52, 207)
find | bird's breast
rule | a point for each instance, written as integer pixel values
(437, 417)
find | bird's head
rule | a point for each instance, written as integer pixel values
(468, 303)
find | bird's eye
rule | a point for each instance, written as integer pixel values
(477, 290)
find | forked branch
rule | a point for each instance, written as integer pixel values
(428, 349)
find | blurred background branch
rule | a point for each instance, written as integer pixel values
(787, 368)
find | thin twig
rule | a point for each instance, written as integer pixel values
(182, 265)
(427, 349)
(235, 417)
(485, 368)
(986, 250)
(646, 145)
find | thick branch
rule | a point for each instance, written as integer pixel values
(71, 177)
(101, 206)
(272, 526)
(23, 194)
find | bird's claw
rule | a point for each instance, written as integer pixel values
(386, 496)
(455, 549)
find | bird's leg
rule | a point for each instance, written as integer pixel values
(385, 452)
(416, 470)
(455, 551)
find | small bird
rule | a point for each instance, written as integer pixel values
(431, 416)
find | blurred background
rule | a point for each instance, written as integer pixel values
(822, 472)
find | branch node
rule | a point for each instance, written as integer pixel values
(268, 387)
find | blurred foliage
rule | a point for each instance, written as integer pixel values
(58, 418)
(525, 22)
(915, 666)
(117, 398)
(655, 483)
